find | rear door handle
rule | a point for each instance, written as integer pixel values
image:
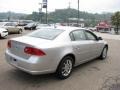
(77, 48)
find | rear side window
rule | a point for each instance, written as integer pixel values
(46, 33)
(77, 35)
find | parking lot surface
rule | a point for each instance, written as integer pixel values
(94, 75)
(109, 36)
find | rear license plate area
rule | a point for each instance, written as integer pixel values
(13, 61)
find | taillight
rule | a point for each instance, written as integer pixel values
(9, 44)
(34, 51)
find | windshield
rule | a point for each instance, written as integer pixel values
(2, 24)
(10, 24)
(46, 33)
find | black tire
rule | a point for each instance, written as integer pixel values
(31, 28)
(63, 73)
(103, 55)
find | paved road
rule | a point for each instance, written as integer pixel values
(94, 75)
(108, 36)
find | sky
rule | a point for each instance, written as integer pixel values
(91, 6)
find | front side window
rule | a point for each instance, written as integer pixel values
(90, 36)
(78, 35)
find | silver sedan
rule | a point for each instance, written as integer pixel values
(55, 50)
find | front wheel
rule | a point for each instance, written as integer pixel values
(65, 68)
(104, 53)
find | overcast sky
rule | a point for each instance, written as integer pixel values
(92, 6)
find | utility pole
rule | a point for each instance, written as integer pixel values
(45, 2)
(46, 14)
(78, 13)
(69, 7)
(40, 12)
(9, 16)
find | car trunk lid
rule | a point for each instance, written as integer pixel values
(19, 44)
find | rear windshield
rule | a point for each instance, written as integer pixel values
(30, 24)
(46, 33)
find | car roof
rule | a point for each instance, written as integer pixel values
(6, 22)
(66, 28)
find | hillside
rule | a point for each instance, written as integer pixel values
(63, 14)
(60, 15)
(12, 15)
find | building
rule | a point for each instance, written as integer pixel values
(76, 22)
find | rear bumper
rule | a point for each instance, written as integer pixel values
(32, 66)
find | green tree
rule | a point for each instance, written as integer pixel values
(116, 21)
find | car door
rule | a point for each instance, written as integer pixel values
(80, 46)
(94, 44)
(14, 28)
(10, 27)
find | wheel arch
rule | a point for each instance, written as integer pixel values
(69, 54)
(106, 45)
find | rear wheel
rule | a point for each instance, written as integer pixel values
(65, 68)
(20, 31)
(104, 53)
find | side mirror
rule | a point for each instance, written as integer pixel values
(99, 38)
